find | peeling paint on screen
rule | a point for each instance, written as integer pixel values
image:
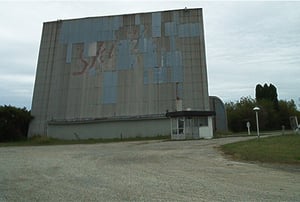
(170, 29)
(189, 30)
(89, 30)
(150, 55)
(137, 19)
(156, 24)
(129, 53)
(69, 53)
(160, 75)
(108, 45)
(126, 58)
(110, 81)
(174, 60)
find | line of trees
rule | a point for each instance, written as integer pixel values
(14, 123)
(273, 115)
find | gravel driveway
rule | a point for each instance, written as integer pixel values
(140, 171)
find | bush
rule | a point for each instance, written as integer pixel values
(14, 123)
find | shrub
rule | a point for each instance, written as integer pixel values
(14, 123)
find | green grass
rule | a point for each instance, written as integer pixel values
(276, 149)
(43, 140)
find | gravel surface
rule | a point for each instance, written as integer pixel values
(141, 171)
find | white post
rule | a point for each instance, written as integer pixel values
(256, 109)
(248, 126)
(171, 128)
(257, 124)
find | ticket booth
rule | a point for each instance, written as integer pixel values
(191, 124)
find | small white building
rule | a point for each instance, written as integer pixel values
(191, 124)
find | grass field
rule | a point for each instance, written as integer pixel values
(43, 140)
(276, 149)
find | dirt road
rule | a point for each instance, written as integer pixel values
(140, 171)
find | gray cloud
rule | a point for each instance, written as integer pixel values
(251, 43)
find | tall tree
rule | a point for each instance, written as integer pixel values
(267, 92)
(259, 94)
(274, 96)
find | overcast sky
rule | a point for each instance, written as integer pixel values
(246, 42)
